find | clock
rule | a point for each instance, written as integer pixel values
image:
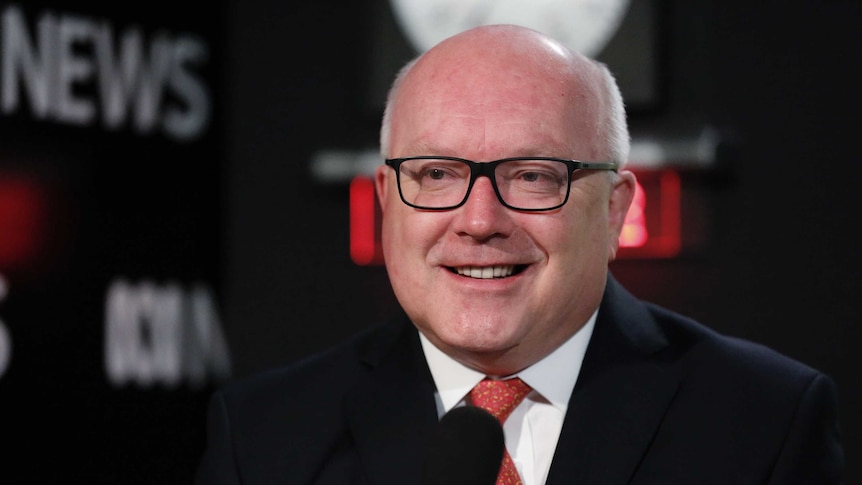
(585, 26)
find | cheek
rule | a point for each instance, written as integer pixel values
(407, 240)
(407, 236)
(577, 258)
(578, 238)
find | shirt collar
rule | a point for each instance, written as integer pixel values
(553, 377)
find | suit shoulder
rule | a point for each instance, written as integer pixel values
(300, 383)
(757, 409)
(707, 349)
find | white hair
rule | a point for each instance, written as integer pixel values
(612, 125)
(386, 125)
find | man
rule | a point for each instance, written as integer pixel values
(503, 197)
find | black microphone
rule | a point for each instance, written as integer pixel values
(465, 449)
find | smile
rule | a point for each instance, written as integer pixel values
(487, 272)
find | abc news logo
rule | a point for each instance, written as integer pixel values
(163, 335)
(154, 335)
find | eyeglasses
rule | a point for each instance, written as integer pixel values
(523, 184)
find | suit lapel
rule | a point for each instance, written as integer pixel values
(620, 398)
(622, 393)
(392, 412)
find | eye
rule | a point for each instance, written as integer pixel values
(537, 177)
(533, 176)
(435, 173)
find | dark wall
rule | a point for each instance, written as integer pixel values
(779, 80)
(110, 238)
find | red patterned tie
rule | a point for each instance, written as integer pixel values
(500, 398)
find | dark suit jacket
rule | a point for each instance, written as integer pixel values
(660, 399)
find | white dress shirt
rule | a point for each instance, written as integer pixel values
(533, 428)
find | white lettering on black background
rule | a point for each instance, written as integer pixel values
(83, 71)
(162, 334)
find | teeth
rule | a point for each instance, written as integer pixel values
(486, 272)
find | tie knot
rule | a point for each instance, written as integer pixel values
(499, 397)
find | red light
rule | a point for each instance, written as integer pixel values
(23, 216)
(364, 233)
(652, 225)
(651, 228)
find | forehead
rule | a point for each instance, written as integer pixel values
(512, 102)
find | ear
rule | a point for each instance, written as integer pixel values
(381, 183)
(622, 194)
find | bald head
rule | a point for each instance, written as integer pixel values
(509, 69)
(494, 287)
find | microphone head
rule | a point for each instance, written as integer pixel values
(466, 449)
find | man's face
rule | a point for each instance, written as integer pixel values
(555, 262)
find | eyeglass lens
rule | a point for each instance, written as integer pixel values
(522, 184)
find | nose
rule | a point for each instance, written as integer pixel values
(483, 216)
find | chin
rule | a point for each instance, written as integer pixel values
(479, 339)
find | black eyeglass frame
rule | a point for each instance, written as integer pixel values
(487, 169)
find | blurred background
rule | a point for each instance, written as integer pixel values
(184, 196)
